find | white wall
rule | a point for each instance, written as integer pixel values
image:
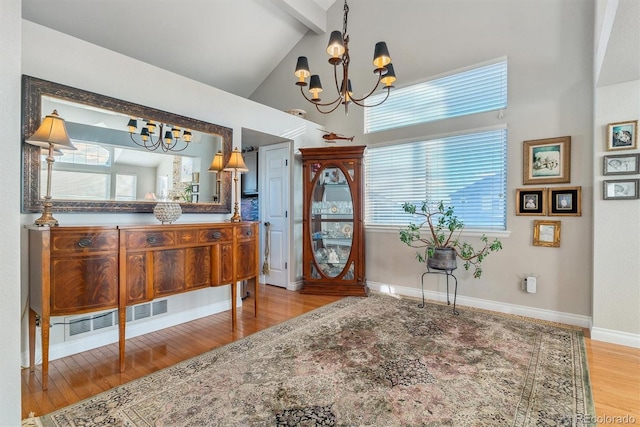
(10, 305)
(616, 239)
(549, 46)
(56, 57)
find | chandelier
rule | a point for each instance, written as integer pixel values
(338, 50)
(169, 142)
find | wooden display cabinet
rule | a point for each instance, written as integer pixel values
(333, 227)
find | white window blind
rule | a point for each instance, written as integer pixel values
(126, 186)
(86, 153)
(473, 91)
(78, 185)
(464, 171)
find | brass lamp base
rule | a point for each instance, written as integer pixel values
(236, 214)
(47, 219)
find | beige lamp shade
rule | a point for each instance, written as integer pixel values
(52, 131)
(217, 163)
(236, 162)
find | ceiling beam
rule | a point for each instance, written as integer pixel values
(308, 12)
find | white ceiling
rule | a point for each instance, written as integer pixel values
(229, 44)
(621, 61)
(235, 44)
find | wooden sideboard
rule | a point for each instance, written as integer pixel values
(76, 270)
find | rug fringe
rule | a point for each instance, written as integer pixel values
(32, 421)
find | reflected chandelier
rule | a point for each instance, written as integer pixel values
(171, 136)
(338, 50)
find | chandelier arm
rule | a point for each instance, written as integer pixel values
(177, 151)
(151, 147)
(357, 100)
(374, 105)
(335, 78)
(328, 111)
(325, 104)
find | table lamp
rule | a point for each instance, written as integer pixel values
(236, 164)
(217, 166)
(52, 134)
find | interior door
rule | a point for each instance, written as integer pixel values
(274, 200)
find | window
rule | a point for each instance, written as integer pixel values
(86, 154)
(476, 90)
(126, 187)
(465, 171)
(78, 185)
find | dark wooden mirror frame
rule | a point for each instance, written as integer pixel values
(32, 91)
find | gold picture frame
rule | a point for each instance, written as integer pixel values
(546, 233)
(565, 201)
(622, 135)
(547, 161)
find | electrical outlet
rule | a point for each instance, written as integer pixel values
(37, 321)
(531, 284)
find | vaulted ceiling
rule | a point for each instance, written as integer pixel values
(229, 44)
(235, 44)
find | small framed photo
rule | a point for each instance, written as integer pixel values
(565, 201)
(620, 189)
(531, 201)
(546, 233)
(547, 161)
(620, 164)
(194, 198)
(622, 136)
(195, 188)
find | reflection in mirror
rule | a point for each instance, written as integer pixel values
(109, 172)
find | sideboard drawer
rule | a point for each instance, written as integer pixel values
(245, 231)
(149, 239)
(69, 241)
(214, 235)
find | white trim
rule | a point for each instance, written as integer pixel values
(499, 307)
(615, 337)
(295, 286)
(133, 329)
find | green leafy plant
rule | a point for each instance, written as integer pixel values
(441, 228)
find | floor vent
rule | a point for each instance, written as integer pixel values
(79, 326)
(82, 325)
(160, 307)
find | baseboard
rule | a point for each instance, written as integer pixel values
(500, 307)
(615, 337)
(294, 286)
(134, 329)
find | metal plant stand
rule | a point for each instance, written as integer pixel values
(455, 290)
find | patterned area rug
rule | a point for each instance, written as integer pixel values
(377, 361)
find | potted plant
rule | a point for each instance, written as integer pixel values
(440, 238)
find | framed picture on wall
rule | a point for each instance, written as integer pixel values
(531, 201)
(565, 201)
(546, 233)
(620, 189)
(622, 136)
(547, 161)
(620, 164)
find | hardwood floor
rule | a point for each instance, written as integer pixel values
(614, 370)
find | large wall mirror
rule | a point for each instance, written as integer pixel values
(110, 173)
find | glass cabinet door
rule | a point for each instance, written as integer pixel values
(331, 221)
